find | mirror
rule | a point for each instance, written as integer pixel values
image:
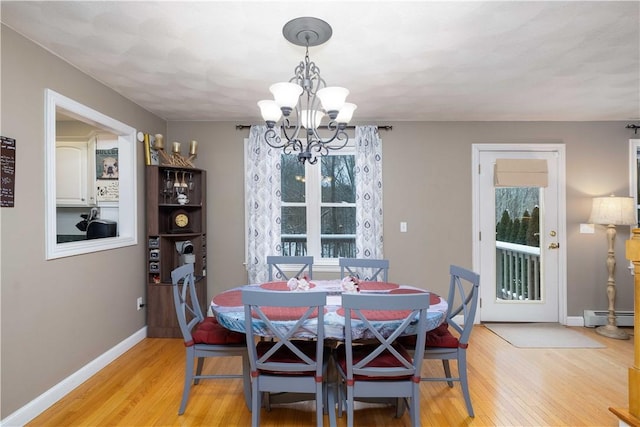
(90, 179)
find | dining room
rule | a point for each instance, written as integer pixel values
(563, 78)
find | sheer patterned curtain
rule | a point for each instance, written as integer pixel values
(262, 188)
(369, 239)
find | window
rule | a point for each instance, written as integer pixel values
(293, 209)
(64, 113)
(318, 209)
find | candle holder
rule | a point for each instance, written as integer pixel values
(175, 158)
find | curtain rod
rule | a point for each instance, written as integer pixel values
(383, 127)
(634, 127)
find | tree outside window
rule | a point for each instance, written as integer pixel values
(318, 206)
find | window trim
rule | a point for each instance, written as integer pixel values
(312, 180)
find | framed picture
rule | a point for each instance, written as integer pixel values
(107, 164)
(154, 156)
(107, 190)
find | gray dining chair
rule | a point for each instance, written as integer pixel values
(381, 367)
(365, 269)
(277, 262)
(204, 336)
(443, 345)
(288, 363)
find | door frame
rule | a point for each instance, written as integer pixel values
(562, 214)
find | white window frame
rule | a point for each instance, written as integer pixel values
(313, 204)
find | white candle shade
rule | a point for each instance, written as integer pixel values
(270, 110)
(286, 94)
(346, 112)
(332, 99)
(309, 121)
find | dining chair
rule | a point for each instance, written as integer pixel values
(365, 269)
(290, 362)
(204, 336)
(380, 367)
(276, 262)
(441, 343)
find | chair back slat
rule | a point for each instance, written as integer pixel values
(185, 300)
(463, 300)
(365, 269)
(256, 302)
(276, 263)
(355, 306)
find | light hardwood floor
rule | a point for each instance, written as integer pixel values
(509, 387)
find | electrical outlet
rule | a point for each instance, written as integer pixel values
(139, 303)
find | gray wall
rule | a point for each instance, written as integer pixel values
(59, 315)
(427, 183)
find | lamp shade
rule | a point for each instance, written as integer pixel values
(346, 112)
(286, 94)
(613, 210)
(311, 119)
(332, 99)
(270, 110)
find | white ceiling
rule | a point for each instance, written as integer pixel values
(402, 61)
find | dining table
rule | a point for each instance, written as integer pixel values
(227, 307)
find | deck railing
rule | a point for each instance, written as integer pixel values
(517, 272)
(331, 247)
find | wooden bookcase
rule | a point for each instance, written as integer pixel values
(165, 239)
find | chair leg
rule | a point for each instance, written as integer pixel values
(400, 407)
(447, 371)
(464, 382)
(331, 407)
(199, 370)
(266, 399)
(350, 406)
(341, 396)
(414, 407)
(320, 403)
(188, 378)
(246, 380)
(255, 404)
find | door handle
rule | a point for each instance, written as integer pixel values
(554, 245)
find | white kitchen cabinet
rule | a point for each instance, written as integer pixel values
(75, 176)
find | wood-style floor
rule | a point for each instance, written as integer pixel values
(509, 387)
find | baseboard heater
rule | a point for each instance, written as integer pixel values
(594, 318)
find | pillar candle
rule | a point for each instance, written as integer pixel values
(176, 147)
(159, 142)
(193, 148)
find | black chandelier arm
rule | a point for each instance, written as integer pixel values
(289, 146)
(286, 124)
(318, 147)
(341, 135)
(338, 134)
(271, 138)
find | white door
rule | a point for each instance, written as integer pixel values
(520, 237)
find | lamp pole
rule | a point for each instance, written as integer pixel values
(611, 329)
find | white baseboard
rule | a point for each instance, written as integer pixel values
(575, 321)
(58, 391)
(571, 321)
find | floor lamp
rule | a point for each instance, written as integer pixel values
(612, 211)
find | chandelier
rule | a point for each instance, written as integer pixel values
(305, 100)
